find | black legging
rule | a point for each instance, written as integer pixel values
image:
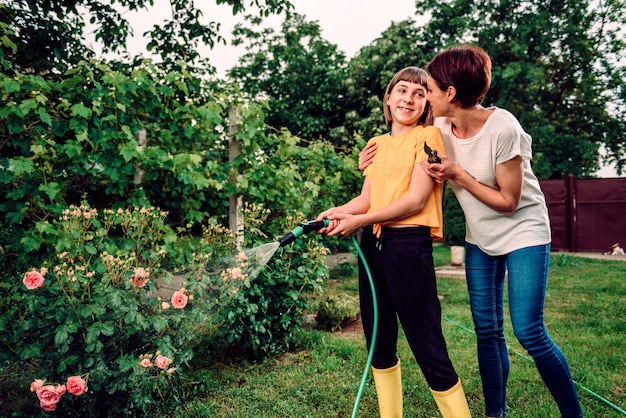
(402, 268)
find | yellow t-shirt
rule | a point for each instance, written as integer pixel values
(390, 175)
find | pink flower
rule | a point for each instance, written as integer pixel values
(140, 277)
(37, 383)
(76, 385)
(33, 279)
(162, 362)
(179, 299)
(49, 396)
(146, 363)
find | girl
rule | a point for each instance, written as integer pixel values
(400, 208)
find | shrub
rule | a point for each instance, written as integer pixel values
(263, 314)
(453, 219)
(92, 321)
(335, 311)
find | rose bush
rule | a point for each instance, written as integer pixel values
(93, 311)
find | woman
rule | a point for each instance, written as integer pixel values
(507, 225)
(400, 206)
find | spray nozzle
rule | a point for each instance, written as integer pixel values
(303, 228)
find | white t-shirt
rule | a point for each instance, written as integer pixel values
(499, 140)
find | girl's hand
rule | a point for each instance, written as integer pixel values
(366, 156)
(345, 224)
(327, 215)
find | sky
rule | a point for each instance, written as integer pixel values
(349, 24)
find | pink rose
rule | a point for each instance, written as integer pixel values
(76, 385)
(179, 299)
(37, 383)
(140, 277)
(49, 396)
(146, 363)
(162, 362)
(33, 279)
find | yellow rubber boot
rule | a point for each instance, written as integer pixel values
(452, 402)
(389, 390)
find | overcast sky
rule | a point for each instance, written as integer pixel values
(349, 24)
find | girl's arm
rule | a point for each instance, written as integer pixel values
(413, 202)
(509, 178)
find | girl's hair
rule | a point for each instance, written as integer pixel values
(412, 75)
(467, 68)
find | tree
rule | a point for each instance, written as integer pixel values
(300, 73)
(556, 65)
(50, 34)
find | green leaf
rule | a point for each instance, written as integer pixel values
(11, 86)
(91, 249)
(61, 336)
(107, 329)
(159, 323)
(81, 110)
(21, 165)
(51, 189)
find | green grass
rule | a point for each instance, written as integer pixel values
(585, 315)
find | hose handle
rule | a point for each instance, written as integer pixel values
(310, 226)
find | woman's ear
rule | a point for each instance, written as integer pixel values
(451, 93)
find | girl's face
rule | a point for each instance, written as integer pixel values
(406, 103)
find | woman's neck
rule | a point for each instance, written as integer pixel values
(466, 123)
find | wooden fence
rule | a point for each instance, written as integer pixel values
(586, 215)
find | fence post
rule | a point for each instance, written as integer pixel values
(570, 185)
(235, 201)
(142, 140)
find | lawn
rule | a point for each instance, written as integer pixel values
(584, 314)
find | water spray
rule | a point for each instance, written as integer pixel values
(310, 226)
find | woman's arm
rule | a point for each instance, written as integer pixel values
(509, 178)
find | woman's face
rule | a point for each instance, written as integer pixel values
(406, 102)
(437, 98)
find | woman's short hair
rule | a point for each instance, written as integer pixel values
(467, 68)
(412, 75)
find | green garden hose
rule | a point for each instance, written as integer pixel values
(368, 364)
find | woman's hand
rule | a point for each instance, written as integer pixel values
(440, 172)
(366, 156)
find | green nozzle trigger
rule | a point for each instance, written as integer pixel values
(303, 228)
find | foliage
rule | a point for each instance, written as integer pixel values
(94, 311)
(335, 311)
(262, 316)
(97, 311)
(82, 136)
(556, 66)
(51, 34)
(453, 219)
(301, 74)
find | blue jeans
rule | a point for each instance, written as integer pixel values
(527, 279)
